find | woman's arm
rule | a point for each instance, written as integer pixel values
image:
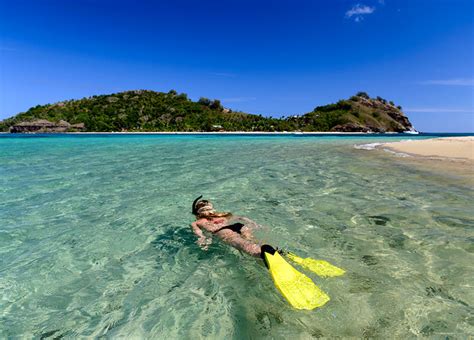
(197, 230)
(202, 241)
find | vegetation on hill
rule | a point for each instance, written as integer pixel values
(359, 113)
(157, 111)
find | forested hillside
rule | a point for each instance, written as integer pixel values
(143, 110)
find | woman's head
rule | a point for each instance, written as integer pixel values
(205, 209)
(204, 206)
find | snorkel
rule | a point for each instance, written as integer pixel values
(194, 205)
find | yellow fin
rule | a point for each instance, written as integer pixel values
(297, 288)
(319, 267)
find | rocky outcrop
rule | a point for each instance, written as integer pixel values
(43, 125)
(380, 105)
(352, 127)
(400, 118)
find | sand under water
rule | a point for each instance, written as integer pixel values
(95, 237)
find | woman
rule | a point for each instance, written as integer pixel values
(297, 288)
(225, 226)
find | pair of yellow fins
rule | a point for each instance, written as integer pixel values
(296, 287)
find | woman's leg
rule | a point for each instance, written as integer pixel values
(239, 242)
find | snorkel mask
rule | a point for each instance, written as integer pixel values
(202, 207)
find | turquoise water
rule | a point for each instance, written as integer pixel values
(95, 238)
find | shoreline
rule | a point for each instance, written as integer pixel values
(395, 134)
(204, 133)
(443, 148)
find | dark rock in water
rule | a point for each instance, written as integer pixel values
(273, 202)
(43, 125)
(49, 335)
(267, 318)
(317, 333)
(440, 292)
(362, 284)
(379, 219)
(427, 330)
(397, 241)
(370, 260)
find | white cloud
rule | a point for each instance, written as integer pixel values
(450, 82)
(438, 110)
(358, 11)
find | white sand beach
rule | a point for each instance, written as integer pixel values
(461, 148)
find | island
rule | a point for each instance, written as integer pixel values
(151, 111)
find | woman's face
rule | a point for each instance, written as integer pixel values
(204, 204)
(204, 208)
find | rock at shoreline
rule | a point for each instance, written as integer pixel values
(43, 125)
(350, 127)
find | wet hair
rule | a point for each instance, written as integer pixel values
(214, 214)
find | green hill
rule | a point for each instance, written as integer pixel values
(143, 110)
(359, 113)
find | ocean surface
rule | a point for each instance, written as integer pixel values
(95, 238)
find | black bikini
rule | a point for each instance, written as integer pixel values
(236, 227)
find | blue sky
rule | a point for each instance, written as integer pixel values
(267, 57)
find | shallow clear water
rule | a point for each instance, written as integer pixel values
(95, 238)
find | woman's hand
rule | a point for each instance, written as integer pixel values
(204, 242)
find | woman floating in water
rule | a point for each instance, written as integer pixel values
(297, 288)
(225, 226)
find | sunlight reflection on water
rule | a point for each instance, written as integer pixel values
(95, 239)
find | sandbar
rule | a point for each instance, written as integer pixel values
(461, 148)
